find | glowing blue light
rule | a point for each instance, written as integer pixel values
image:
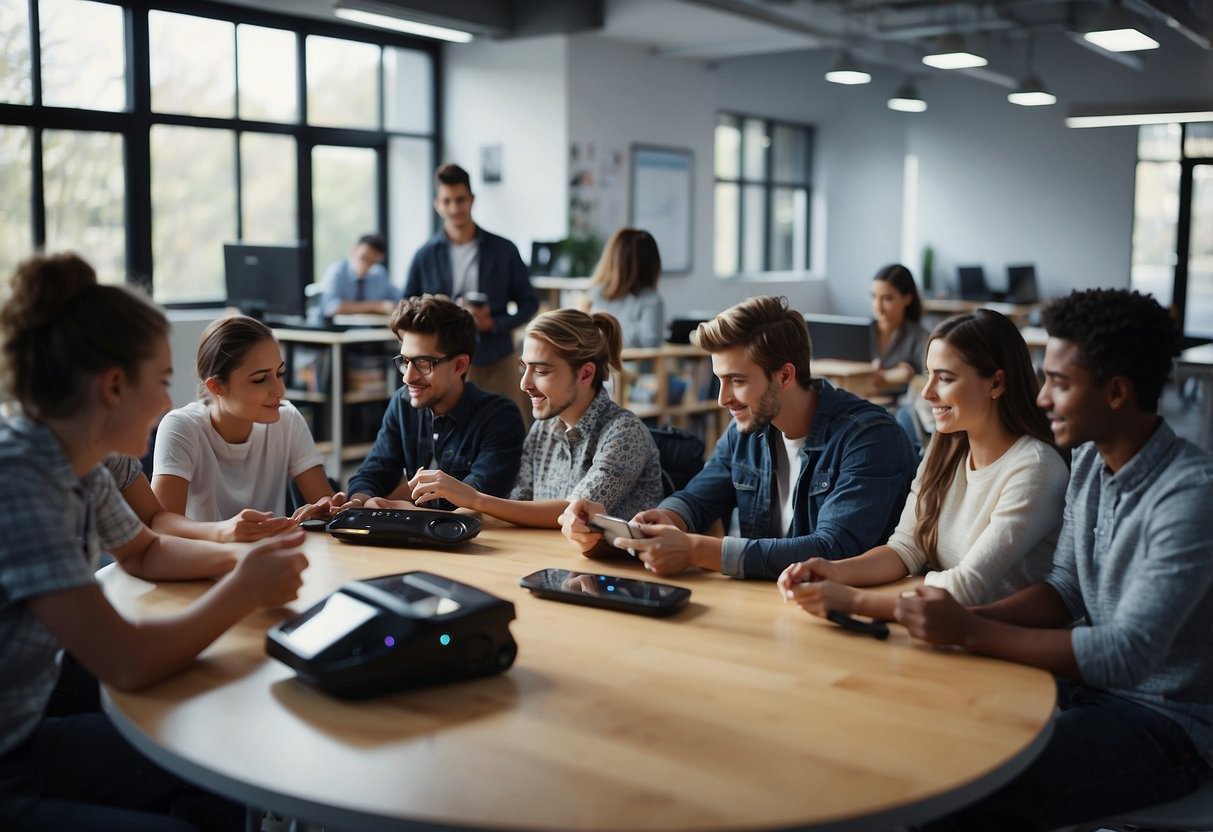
(389, 642)
(444, 639)
(610, 588)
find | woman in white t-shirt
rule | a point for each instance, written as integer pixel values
(985, 509)
(237, 448)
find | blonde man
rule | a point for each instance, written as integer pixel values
(582, 445)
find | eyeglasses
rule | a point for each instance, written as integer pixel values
(424, 363)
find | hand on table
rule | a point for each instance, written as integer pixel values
(933, 615)
(271, 572)
(251, 524)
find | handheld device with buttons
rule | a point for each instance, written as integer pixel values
(401, 527)
(395, 632)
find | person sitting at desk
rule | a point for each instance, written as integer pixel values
(437, 420)
(810, 470)
(581, 446)
(624, 286)
(249, 524)
(898, 340)
(985, 508)
(239, 445)
(1124, 617)
(89, 366)
(359, 284)
(481, 271)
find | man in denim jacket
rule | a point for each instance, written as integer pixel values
(812, 471)
(437, 419)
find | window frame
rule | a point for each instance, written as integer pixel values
(768, 184)
(134, 123)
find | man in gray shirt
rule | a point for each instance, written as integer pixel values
(1125, 617)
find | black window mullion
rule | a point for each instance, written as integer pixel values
(237, 134)
(768, 169)
(303, 157)
(137, 149)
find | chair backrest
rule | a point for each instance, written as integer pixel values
(681, 455)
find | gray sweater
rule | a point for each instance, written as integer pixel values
(1134, 565)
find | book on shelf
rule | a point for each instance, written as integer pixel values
(310, 368)
(366, 374)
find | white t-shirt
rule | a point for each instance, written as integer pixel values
(224, 478)
(787, 472)
(997, 526)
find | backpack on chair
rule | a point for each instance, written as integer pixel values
(681, 455)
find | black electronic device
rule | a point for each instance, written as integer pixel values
(681, 329)
(476, 298)
(606, 591)
(1021, 284)
(396, 632)
(875, 628)
(403, 527)
(615, 527)
(546, 260)
(267, 282)
(840, 336)
(316, 524)
(971, 281)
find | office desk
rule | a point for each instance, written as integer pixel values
(1019, 313)
(738, 712)
(855, 376)
(1198, 361)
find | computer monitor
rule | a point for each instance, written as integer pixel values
(682, 328)
(972, 283)
(266, 281)
(839, 336)
(1021, 284)
(545, 259)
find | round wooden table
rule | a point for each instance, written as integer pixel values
(739, 712)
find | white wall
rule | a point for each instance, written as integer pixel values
(997, 183)
(623, 94)
(513, 94)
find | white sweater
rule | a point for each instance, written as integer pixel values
(997, 526)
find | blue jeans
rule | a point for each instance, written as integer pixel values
(1106, 756)
(76, 772)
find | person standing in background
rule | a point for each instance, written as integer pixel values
(624, 286)
(482, 272)
(358, 284)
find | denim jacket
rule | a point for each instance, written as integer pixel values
(480, 443)
(503, 277)
(856, 469)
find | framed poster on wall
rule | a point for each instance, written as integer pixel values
(662, 190)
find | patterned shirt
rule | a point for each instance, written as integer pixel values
(124, 469)
(608, 456)
(50, 544)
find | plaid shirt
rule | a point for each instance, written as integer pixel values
(51, 537)
(608, 456)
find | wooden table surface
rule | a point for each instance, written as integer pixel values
(739, 712)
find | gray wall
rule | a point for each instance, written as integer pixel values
(996, 183)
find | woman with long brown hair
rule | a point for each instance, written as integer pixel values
(984, 510)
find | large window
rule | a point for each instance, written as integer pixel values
(146, 133)
(1173, 222)
(763, 185)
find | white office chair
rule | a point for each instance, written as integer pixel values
(1193, 813)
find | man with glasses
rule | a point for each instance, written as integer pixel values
(438, 419)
